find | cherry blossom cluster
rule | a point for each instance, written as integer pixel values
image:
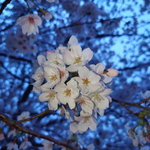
(66, 82)
(18, 42)
(31, 22)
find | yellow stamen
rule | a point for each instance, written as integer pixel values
(56, 62)
(86, 81)
(67, 92)
(96, 96)
(40, 76)
(77, 60)
(51, 95)
(62, 74)
(53, 77)
(24, 117)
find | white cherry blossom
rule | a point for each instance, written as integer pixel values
(86, 121)
(67, 93)
(100, 98)
(41, 59)
(50, 97)
(30, 23)
(145, 95)
(132, 136)
(47, 15)
(12, 146)
(88, 80)
(90, 147)
(142, 139)
(47, 145)
(52, 76)
(99, 69)
(12, 132)
(39, 77)
(74, 127)
(55, 58)
(85, 103)
(75, 57)
(24, 115)
(24, 145)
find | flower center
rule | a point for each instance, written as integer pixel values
(86, 120)
(77, 60)
(40, 76)
(51, 96)
(31, 20)
(56, 62)
(96, 96)
(86, 81)
(53, 77)
(81, 101)
(23, 117)
(62, 74)
(67, 92)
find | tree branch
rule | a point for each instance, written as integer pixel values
(9, 122)
(4, 5)
(131, 104)
(29, 119)
(16, 58)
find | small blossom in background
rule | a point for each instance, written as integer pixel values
(47, 145)
(90, 147)
(24, 145)
(12, 132)
(24, 115)
(132, 136)
(30, 23)
(12, 146)
(145, 95)
(47, 15)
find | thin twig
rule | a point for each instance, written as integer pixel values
(29, 119)
(124, 105)
(132, 104)
(143, 101)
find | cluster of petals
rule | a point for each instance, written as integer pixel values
(137, 136)
(67, 83)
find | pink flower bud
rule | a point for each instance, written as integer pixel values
(49, 51)
(1, 136)
(147, 139)
(112, 72)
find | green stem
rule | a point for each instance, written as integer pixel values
(28, 6)
(36, 5)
